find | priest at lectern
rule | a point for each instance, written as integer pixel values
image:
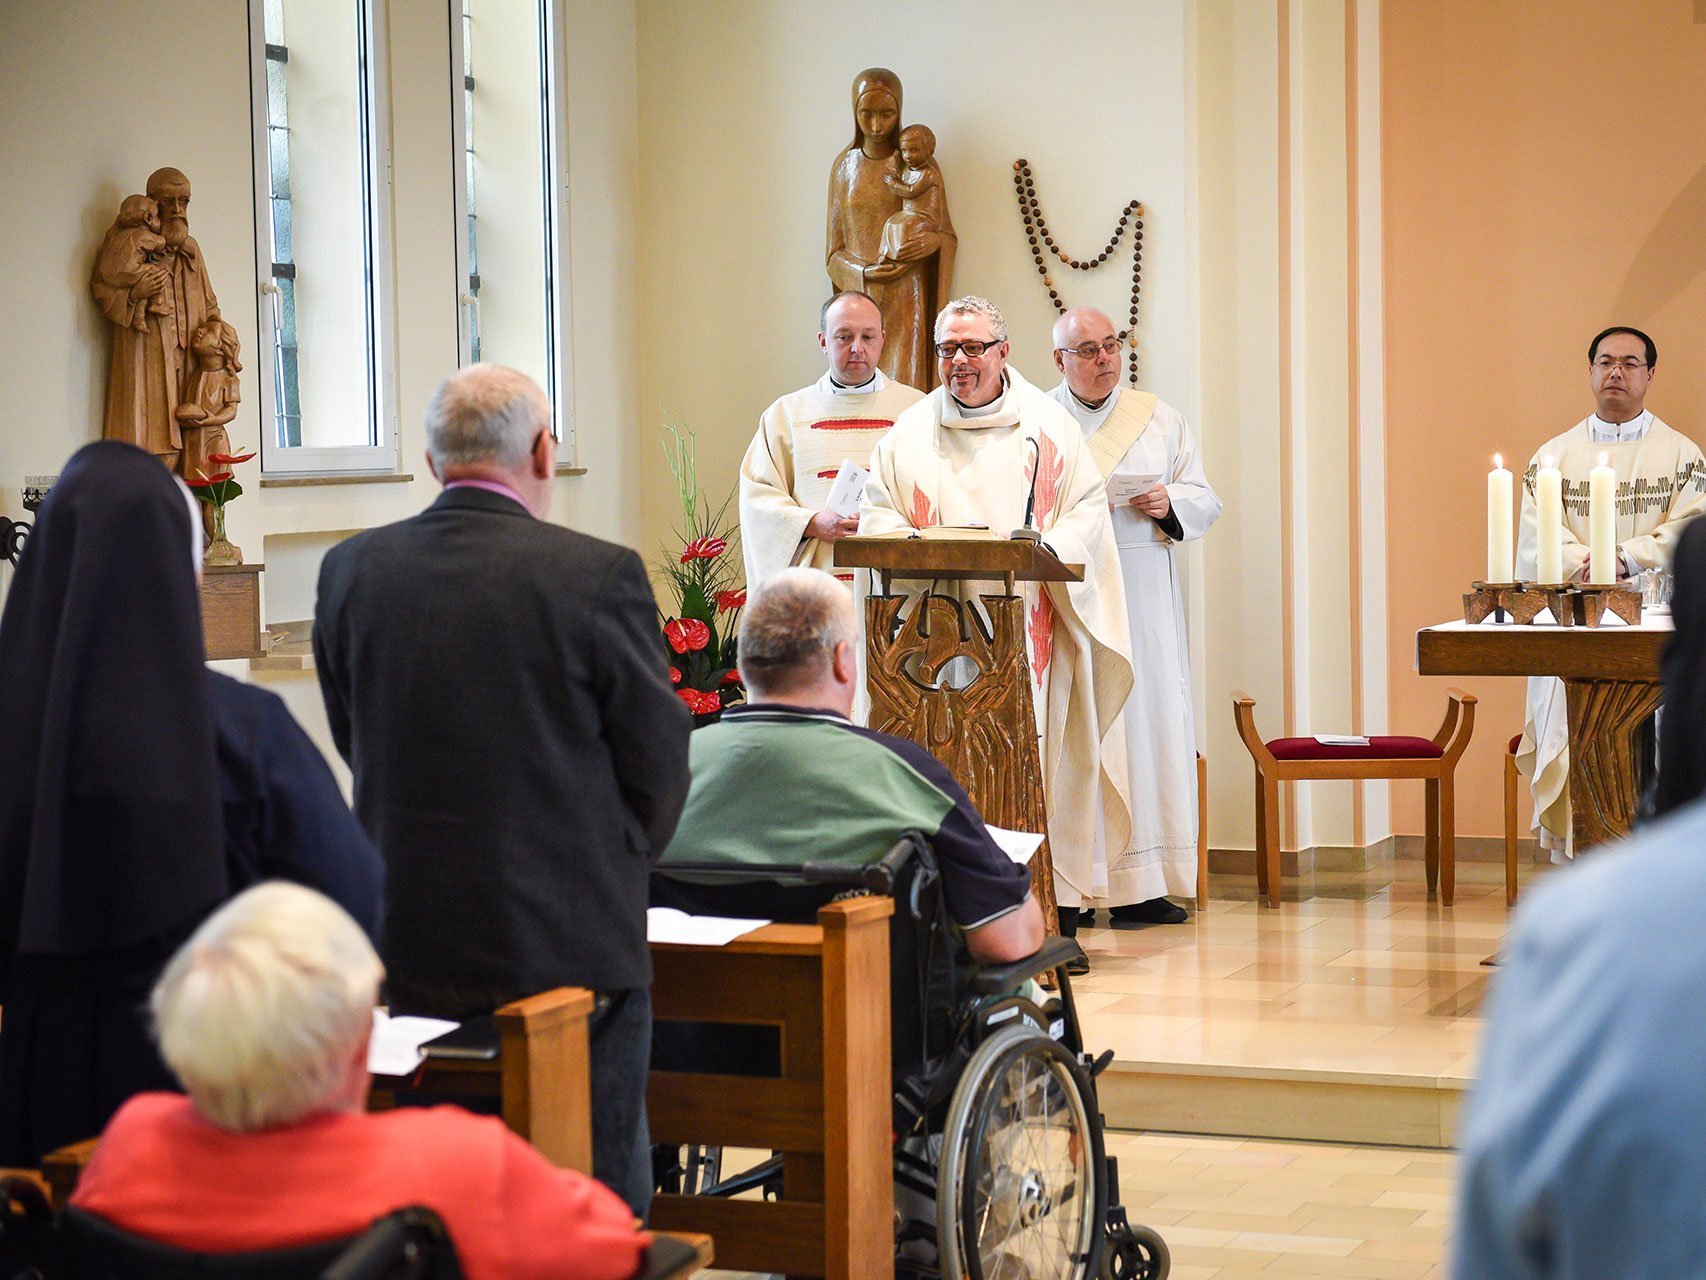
(986, 448)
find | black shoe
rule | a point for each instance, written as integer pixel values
(1078, 967)
(1155, 911)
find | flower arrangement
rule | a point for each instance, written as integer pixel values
(214, 491)
(705, 580)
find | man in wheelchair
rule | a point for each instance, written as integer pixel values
(999, 1166)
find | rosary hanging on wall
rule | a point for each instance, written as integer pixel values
(1037, 233)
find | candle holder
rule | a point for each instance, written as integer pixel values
(1573, 604)
(1592, 600)
(1491, 599)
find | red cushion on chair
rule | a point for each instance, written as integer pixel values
(1400, 747)
(1515, 743)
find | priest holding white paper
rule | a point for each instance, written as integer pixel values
(986, 447)
(801, 476)
(1659, 479)
(1159, 497)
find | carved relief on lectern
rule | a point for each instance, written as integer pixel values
(959, 686)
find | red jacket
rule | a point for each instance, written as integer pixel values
(163, 1172)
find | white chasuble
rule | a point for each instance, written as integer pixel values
(940, 467)
(793, 460)
(1153, 439)
(1661, 485)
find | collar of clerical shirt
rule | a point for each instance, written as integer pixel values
(865, 388)
(1091, 416)
(983, 410)
(1602, 432)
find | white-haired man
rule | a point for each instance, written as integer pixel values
(264, 1015)
(1140, 443)
(836, 791)
(497, 684)
(804, 439)
(988, 448)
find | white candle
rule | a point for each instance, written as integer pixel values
(1499, 553)
(1548, 524)
(1602, 523)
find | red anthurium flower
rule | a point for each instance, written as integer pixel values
(208, 481)
(675, 675)
(704, 549)
(230, 459)
(687, 635)
(727, 600)
(699, 702)
(731, 676)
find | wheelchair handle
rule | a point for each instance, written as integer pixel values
(877, 877)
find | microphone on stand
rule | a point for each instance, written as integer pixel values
(1027, 533)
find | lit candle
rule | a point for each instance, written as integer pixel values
(1548, 524)
(1499, 563)
(1602, 523)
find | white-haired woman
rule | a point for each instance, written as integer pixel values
(264, 1015)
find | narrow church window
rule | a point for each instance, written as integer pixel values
(511, 224)
(322, 182)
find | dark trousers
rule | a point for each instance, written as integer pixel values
(621, 1036)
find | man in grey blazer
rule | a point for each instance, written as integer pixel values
(497, 684)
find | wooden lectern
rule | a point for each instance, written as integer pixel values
(955, 679)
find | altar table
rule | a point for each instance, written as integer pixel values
(1611, 680)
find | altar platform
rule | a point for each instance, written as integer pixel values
(1351, 1013)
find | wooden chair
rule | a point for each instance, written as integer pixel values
(1513, 781)
(1202, 832)
(540, 1073)
(826, 986)
(1305, 760)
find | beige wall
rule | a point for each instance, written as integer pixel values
(82, 128)
(1543, 180)
(743, 107)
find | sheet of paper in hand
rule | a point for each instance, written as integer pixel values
(1017, 845)
(1123, 488)
(848, 488)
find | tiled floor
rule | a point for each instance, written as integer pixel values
(1233, 1208)
(1238, 1209)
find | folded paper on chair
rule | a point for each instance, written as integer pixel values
(395, 1049)
(1341, 739)
(666, 924)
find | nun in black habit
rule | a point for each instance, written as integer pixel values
(138, 791)
(1682, 728)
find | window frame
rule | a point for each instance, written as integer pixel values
(381, 456)
(560, 322)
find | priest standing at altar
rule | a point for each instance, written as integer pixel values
(805, 438)
(1661, 485)
(1159, 497)
(987, 447)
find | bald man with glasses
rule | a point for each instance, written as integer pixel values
(1661, 485)
(1159, 497)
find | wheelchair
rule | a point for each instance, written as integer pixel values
(1000, 1171)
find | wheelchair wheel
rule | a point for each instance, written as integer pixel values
(1022, 1189)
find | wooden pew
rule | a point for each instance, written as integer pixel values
(826, 986)
(542, 1075)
